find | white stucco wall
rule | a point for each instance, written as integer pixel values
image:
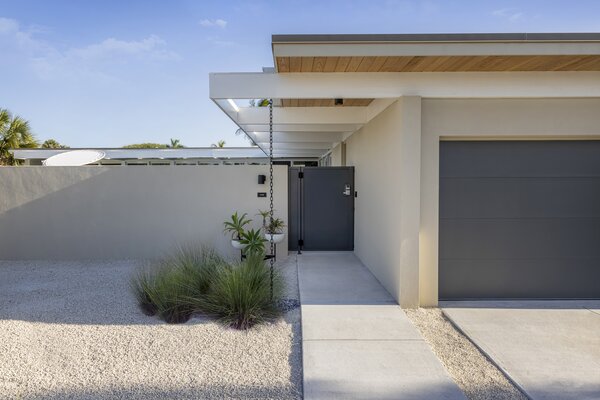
(396, 156)
(336, 156)
(385, 153)
(127, 212)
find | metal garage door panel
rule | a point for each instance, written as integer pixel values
(520, 198)
(519, 279)
(520, 238)
(519, 219)
(519, 159)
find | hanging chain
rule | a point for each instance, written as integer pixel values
(272, 244)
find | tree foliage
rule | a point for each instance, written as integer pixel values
(15, 133)
(175, 144)
(145, 146)
(53, 144)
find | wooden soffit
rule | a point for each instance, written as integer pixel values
(439, 63)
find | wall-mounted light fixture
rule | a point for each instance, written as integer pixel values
(338, 102)
(262, 179)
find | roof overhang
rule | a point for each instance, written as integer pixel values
(325, 87)
(437, 52)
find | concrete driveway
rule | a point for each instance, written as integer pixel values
(550, 349)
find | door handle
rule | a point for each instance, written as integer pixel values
(347, 190)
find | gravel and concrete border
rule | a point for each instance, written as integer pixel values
(474, 373)
(72, 330)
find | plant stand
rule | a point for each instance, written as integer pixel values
(267, 256)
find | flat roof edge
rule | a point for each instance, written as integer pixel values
(436, 37)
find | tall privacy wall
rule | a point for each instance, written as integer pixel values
(69, 213)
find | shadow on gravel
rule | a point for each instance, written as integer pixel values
(523, 304)
(204, 392)
(68, 292)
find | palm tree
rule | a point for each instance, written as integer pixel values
(220, 144)
(53, 144)
(175, 144)
(14, 133)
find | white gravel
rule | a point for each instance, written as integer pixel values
(72, 330)
(478, 378)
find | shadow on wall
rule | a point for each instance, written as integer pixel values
(126, 212)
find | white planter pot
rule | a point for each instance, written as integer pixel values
(277, 238)
(236, 244)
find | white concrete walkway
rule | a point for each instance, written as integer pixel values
(356, 342)
(551, 349)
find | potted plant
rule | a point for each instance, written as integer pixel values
(264, 215)
(235, 227)
(253, 242)
(274, 230)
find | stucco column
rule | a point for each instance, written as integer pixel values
(409, 179)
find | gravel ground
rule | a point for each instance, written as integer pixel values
(73, 331)
(478, 378)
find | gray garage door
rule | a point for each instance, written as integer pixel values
(519, 219)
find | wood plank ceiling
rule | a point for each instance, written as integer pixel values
(439, 63)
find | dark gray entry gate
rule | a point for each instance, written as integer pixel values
(519, 219)
(321, 208)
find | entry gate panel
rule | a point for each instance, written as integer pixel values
(321, 204)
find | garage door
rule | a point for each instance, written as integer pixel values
(519, 219)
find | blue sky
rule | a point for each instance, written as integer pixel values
(108, 73)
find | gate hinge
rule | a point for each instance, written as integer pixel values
(301, 175)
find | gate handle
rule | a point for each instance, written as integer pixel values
(346, 191)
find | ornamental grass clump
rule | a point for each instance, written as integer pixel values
(166, 288)
(197, 280)
(141, 285)
(169, 295)
(240, 295)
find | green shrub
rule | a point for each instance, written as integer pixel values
(240, 295)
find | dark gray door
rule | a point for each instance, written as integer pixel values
(321, 206)
(519, 219)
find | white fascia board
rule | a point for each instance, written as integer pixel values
(300, 137)
(299, 153)
(302, 115)
(297, 146)
(307, 127)
(434, 49)
(396, 84)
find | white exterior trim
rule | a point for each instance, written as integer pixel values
(386, 85)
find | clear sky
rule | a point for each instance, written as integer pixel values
(107, 73)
